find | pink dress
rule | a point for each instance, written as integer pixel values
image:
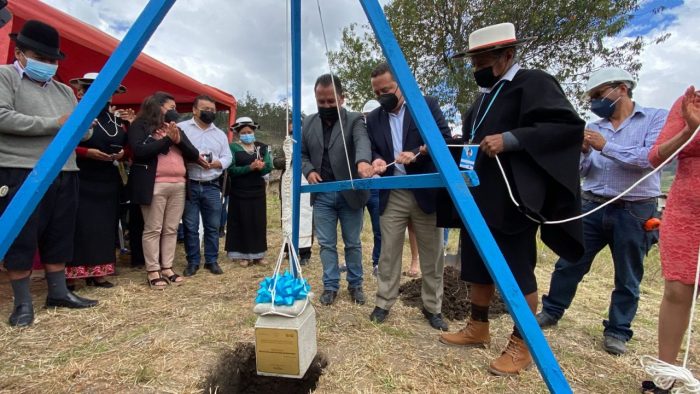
(680, 225)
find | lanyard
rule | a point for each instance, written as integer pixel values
(475, 125)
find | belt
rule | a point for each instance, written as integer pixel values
(214, 182)
(588, 196)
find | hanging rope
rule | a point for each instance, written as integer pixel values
(335, 91)
(601, 206)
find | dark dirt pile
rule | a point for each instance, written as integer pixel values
(455, 302)
(236, 373)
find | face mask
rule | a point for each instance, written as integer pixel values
(171, 116)
(247, 138)
(388, 101)
(485, 78)
(39, 71)
(604, 107)
(207, 117)
(328, 114)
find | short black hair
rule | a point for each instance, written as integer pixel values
(381, 69)
(202, 97)
(328, 79)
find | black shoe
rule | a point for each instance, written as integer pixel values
(435, 320)
(93, 282)
(378, 315)
(614, 346)
(214, 268)
(303, 262)
(22, 315)
(328, 297)
(357, 295)
(545, 320)
(71, 300)
(190, 270)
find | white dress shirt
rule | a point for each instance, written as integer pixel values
(210, 140)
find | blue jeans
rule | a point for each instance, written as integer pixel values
(224, 213)
(205, 199)
(373, 209)
(329, 208)
(620, 228)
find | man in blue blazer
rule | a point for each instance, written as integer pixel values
(395, 139)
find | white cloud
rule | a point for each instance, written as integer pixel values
(240, 46)
(236, 46)
(670, 67)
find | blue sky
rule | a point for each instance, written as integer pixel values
(652, 15)
(203, 39)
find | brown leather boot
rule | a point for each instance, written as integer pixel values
(474, 334)
(514, 358)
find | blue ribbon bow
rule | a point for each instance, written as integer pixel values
(288, 289)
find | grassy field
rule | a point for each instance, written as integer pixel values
(139, 340)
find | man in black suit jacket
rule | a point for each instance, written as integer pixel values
(329, 153)
(395, 139)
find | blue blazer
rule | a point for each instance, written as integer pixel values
(379, 132)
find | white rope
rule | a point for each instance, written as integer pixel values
(666, 375)
(642, 179)
(293, 261)
(288, 34)
(335, 92)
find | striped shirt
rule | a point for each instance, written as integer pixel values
(624, 158)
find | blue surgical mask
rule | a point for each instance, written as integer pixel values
(604, 107)
(247, 138)
(40, 71)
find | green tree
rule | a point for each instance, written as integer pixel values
(272, 118)
(572, 40)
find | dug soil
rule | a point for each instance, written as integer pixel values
(455, 301)
(236, 373)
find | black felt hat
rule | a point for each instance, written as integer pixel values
(40, 38)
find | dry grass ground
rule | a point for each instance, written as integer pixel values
(138, 340)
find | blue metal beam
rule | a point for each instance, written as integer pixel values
(464, 202)
(296, 122)
(53, 159)
(421, 181)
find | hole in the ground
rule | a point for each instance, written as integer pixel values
(235, 372)
(456, 303)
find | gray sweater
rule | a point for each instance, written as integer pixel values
(29, 114)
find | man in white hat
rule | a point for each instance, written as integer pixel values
(613, 157)
(523, 118)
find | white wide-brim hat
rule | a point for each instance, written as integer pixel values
(491, 38)
(244, 121)
(88, 79)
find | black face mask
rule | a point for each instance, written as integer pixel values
(388, 101)
(171, 116)
(328, 114)
(485, 78)
(207, 117)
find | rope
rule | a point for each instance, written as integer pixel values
(642, 179)
(293, 259)
(666, 375)
(335, 92)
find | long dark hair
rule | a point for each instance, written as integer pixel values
(151, 113)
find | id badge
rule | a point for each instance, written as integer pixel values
(468, 157)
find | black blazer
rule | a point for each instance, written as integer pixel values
(379, 132)
(142, 175)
